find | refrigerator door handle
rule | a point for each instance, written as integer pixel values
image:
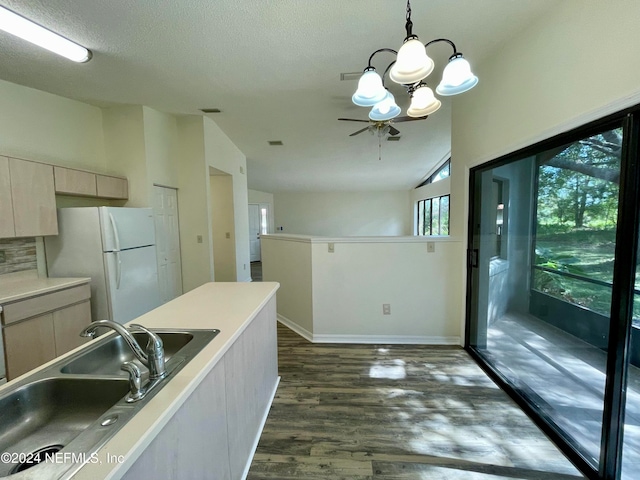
(118, 269)
(116, 236)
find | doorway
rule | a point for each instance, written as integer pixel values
(223, 226)
(167, 226)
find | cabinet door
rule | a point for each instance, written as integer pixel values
(34, 200)
(112, 187)
(7, 229)
(67, 325)
(28, 344)
(75, 182)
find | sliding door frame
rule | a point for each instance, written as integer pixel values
(620, 325)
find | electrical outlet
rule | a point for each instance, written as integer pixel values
(332, 248)
(227, 235)
(199, 238)
(386, 309)
(431, 247)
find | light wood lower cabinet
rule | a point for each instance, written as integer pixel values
(38, 329)
(29, 344)
(67, 325)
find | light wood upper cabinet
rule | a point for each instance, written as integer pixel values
(34, 201)
(7, 228)
(112, 187)
(75, 182)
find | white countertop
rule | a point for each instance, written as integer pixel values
(229, 307)
(21, 285)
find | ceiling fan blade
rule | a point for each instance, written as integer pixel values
(409, 119)
(359, 131)
(393, 131)
(353, 120)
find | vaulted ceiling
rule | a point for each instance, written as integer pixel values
(273, 67)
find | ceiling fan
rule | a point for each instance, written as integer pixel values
(380, 127)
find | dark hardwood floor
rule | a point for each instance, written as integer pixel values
(388, 412)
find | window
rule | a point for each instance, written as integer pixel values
(499, 202)
(443, 172)
(433, 216)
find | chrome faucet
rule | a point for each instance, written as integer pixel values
(152, 358)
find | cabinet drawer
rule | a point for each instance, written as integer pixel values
(112, 187)
(48, 302)
(74, 182)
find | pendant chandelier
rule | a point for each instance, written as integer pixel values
(411, 67)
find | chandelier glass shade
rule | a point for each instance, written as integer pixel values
(385, 109)
(411, 66)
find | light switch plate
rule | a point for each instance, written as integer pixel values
(431, 247)
(332, 248)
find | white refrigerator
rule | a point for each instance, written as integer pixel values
(115, 246)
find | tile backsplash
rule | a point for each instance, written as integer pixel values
(17, 254)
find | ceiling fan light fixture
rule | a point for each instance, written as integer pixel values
(423, 102)
(27, 30)
(412, 64)
(456, 77)
(385, 109)
(370, 89)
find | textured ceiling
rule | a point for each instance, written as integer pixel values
(273, 68)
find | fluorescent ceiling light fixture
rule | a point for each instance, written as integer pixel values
(19, 26)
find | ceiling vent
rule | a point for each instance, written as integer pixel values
(275, 142)
(350, 76)
(210, 110)
(394, 139)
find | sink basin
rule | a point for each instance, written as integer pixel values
(107, 357)
(47, 414)
(71, 408)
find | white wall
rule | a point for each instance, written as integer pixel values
(222, 154)
(288, 261)
(338, 214)
(222, 223)
(572, 66)
(37, 125)
(126, 150)
(193, 204)
(338, 297)
(161, 148)
(351, 285)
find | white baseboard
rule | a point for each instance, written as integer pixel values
(259, 434)
(367, 339)
(303, 332)
(386, 339)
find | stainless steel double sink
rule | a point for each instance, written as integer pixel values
(54, 421)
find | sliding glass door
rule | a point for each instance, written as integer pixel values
(546, 268)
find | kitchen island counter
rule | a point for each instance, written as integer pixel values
(245, 315)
